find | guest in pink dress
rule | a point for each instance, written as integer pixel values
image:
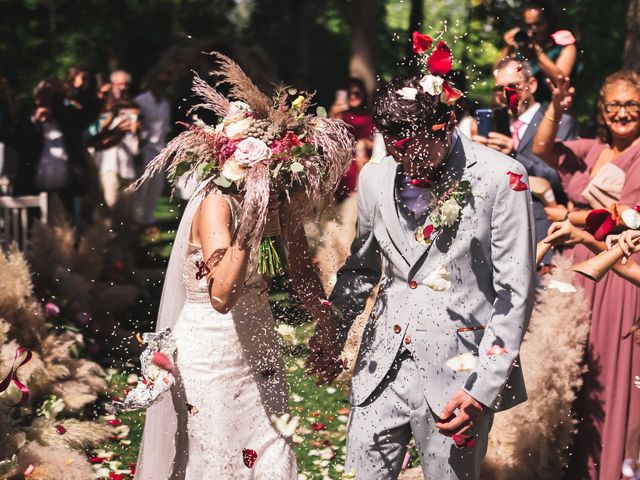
(352, 109)
(596, 174)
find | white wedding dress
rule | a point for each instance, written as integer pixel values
(231, 381)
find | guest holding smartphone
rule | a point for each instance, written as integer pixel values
(518, 76)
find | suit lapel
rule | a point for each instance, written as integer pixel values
(403, 242)
(461, 159)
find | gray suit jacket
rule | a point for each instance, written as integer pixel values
(489, 256)
(536, 167)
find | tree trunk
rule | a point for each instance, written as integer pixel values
(631, 56)
(415, 22)
(365, 21)
(302, 43)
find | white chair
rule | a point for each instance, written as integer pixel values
(14, 218)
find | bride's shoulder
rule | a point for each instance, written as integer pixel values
(215, 207)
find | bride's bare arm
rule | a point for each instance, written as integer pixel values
(227, 262)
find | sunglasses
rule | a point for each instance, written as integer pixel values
(630, 107)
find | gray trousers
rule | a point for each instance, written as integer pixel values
(380, 429)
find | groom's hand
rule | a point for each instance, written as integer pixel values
(468, 415)
(324, 353)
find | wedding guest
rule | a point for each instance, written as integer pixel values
(117, 143)
(120, 83)
(50, 147)
(354, 111)
(156, 125)
(550, 53)
(597, 173)
(516, 74)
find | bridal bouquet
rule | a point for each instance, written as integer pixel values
(260, 146)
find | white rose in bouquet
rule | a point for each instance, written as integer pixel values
(449, 212)
(251, 151)
(231, 170)
(238, 129)
(237, 111)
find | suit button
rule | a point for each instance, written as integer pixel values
(397, 329)
(407, 340)
(413, 284)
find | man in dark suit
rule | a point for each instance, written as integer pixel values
(517, 74)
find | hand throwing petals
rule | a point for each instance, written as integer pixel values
(249, 457)
(515, 183)
(421, 42)
(440, 60)
(563, 38)
(513, 98)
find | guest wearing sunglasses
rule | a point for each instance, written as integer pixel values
(597, 174)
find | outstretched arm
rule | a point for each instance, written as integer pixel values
(545, 145)
(324, 355)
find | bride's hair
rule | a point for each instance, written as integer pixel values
(393, 113)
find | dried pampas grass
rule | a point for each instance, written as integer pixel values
(53, 463)
(77, 434)
(240, 85)
(529, 442)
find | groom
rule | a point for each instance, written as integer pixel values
(445, 227)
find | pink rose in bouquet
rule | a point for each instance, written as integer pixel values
(251, 151)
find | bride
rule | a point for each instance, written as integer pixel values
(230, 377)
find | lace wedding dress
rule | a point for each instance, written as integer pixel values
(230, 383)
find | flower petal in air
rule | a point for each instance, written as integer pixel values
(438, 279)
(402, 144)
(465, 362)
(450, 94)
(631, 218)
(421, 42)
(408, 93)
(513, 98)
(249, 457)
(440, 60)
(515, 183)
(163, 361)
(463, 441)
(496, 350)
(563, 38)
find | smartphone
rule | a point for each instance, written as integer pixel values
(493, 120)
(341, 96)
(485, 119)
(501, 122)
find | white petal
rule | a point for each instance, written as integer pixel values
(465, 362)
(562, 286)
(631, 218)
(408, 93)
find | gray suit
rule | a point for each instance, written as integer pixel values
(413, 331)
(536, 167)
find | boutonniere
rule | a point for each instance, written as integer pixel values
(446, 213)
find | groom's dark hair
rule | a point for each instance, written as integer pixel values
(393, 113)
